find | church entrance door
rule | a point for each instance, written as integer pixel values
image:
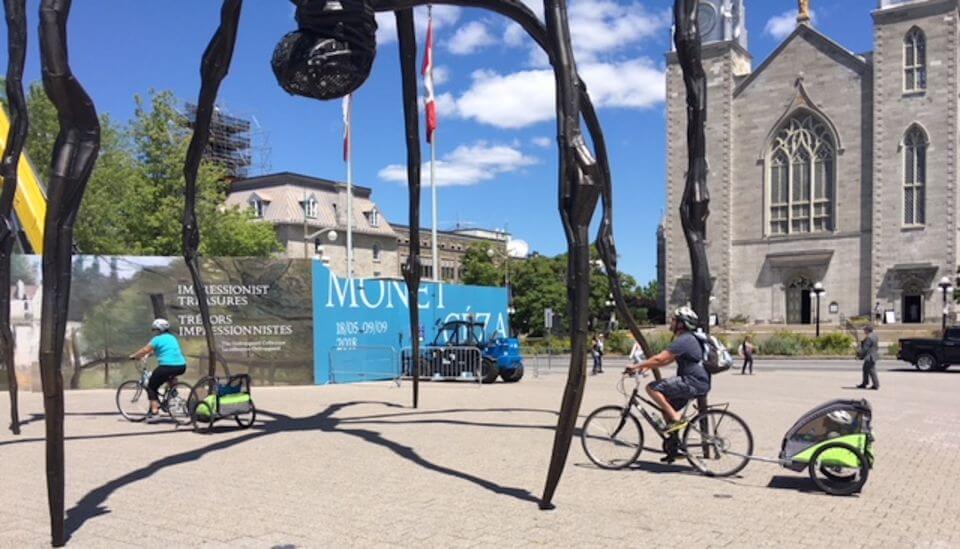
(912, 309)
(798, 301)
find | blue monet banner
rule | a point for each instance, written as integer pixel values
(361, 326)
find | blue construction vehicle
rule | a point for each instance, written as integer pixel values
(453, 354)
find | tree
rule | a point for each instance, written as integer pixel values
(133, 204)
(479, 268)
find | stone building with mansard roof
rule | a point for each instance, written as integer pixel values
(825, 165)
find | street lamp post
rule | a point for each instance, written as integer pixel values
(945, 287)
(818, 291)
(318, 251)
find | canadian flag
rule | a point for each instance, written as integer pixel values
(347, 114)
(431, 104)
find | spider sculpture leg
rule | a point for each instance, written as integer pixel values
(74, 155)
(580, 176)
(606, 245)
(411, 270)
(213, 69)
(16, 137)
(695, 204)
(579, 192)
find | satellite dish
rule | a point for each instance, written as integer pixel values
(518, 248)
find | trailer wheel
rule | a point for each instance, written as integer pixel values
(489, 370)
(842, 479)
(926, 363)
(512, 376)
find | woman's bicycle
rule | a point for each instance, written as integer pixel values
(715, 441)
(133, 401)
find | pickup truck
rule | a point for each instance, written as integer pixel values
(929, 355)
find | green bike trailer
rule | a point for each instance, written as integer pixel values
(834, 443)
(212, 399)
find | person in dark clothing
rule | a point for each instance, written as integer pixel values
(746, 349)
(692, 379)
(870, 353)
(597, 352)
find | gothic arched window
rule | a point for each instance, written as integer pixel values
(802, 176)
(914, 61)
(915, 145)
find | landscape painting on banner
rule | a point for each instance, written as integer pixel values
(260, 309)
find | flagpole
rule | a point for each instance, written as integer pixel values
(433, 162)
(350, 187)
(433, 197)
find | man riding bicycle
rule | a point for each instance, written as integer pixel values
(170, 360)
(692, 379)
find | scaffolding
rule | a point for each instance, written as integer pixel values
(234, 141)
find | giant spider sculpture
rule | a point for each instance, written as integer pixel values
(329, 56)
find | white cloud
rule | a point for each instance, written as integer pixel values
(605, 26)
(443, 16)
(524, 98)
(542, 142)
(780, 26)
(470, 38)
(514, 35)
(446, 105)
(597, 27)
(441, 74)
(466, 165)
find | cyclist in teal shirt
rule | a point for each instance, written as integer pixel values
(170, 360)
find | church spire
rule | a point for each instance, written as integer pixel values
(803, 12)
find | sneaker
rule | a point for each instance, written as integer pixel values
(861, 386)
(152, 417)
(669, 458)
(675, 426)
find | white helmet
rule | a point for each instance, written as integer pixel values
(161, 325)
(687, 317)
(842, 417)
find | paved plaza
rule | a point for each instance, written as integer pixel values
(355, 466)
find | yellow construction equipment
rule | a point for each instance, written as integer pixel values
(29, 203)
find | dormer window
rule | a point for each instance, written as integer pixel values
(373, 217)
(259, 206)
(310, 208)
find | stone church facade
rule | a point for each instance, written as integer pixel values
(825, 166)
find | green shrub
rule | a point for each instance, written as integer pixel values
(785, 343)
(619, 342)
(834, 343)
(893, 349)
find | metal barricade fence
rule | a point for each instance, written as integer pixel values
(371, 363)
(445, 363)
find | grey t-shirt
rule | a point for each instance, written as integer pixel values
(689, 352)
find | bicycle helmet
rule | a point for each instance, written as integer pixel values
(842, 417)
(161, 325)
(687, 317)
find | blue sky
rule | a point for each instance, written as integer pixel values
(497, 130)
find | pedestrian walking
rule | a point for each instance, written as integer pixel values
(878, 312)
(597, 352)
(746, 351)
(869, 353)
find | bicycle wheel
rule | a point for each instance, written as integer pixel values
(132, 401)
(177, 402)
(610, 438)
(722, 449)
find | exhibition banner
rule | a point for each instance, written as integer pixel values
(260, 310)
(362, 326)
(283, 321)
